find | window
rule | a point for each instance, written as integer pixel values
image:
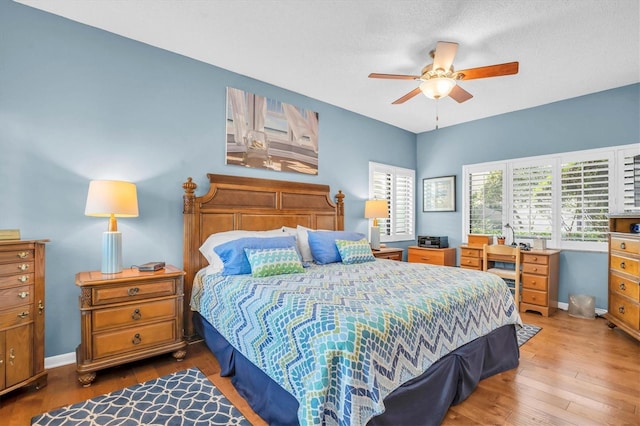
(397, 186)
(563, 198)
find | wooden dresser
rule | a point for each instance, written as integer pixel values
(128, 316)
(433, 256)
(624, 274)
(471, 257)
(393, 253)
(22, 264)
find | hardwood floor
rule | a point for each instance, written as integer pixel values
(574, 371)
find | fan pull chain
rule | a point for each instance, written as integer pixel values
(436, 114)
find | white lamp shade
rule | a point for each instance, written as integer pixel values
(376, 209)
(107, 197)
(438, 87)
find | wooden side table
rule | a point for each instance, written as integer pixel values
(128, 316)
(433, 256)
(393, 253)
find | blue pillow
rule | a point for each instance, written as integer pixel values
(323, 245)
(234, 258)
(355, 251)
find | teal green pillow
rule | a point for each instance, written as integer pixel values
(273, 261)
(355, 251)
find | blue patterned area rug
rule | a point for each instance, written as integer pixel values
(527, 332)
(183, 398)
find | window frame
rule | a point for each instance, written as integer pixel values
(615, 156)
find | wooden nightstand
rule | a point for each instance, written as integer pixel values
(128, 316)
(393, 253)
(433, 256)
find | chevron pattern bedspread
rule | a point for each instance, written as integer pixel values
(340, 338)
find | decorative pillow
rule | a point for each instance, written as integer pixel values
(273, 261)
(323, 245)
(214, 240)
(234, 258)
(355, 251)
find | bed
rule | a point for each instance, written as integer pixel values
(378, 342)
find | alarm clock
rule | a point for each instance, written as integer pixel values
(635, 228)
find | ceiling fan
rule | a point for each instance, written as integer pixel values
(439, 79)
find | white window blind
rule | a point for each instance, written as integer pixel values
(485, 201)
(630, 181)
(532, 201)
(585, 200)
(397, 186)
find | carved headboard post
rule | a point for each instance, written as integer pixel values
(189, 251)
(340, 210)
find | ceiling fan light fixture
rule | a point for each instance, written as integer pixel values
(436, 88)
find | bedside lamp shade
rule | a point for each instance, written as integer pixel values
(376, 209)
(111, 198)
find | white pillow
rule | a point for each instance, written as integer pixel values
(302, 241)
(214, 240)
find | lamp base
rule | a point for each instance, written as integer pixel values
(375, 238)
(111, 253)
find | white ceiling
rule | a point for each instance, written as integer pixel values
(325, 49)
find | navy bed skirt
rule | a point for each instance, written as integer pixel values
(421, 401)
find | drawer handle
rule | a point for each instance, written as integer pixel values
(136, 339)
(622, 265)
(535, 269)
(621, 286)
(12, 355)
(535, 258)
(623, 246)
(424, 258)
(23, 294)
(23, 267)
(23, 279)
(136, 315)
(621, 309)
(133, 291)
(40, 307)
(23, 254)
(23, 315)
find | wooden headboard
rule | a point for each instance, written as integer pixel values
(234, 202)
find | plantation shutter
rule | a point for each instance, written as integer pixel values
(585, 200)
(403, 205)
(485, 202)
(532, 201)
(397, 186)
(382, 189)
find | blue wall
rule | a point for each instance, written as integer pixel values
(598, 120)
(78, 103)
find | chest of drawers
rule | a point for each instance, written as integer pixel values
(433, 256)
(128, 316)
(22, 265)
(624, 275)
(540, 271)
(471, 257)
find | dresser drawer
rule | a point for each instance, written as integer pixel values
(421, 256)
(625, 245)
(534, 297)
(133, 338)
(624, 286)
(14, 280)
(16, 296)
(625, 310)
(16, 268)
(535, 282)
(133, 314)
(623, 264)
(535, 268)
(467, 252)
(470, 262)
(16, 316)
(16, 256)
(534, 258)
(132, 291)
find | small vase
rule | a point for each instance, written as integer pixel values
(501, 241)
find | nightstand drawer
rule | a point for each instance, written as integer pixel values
(16, 316)
(468, 252)
(625, 310)
(16, 296)
(535, 282)
(16, 268)
(14, 280)
(133, 338)
(623, 264)
(624, 286)
(535, 268)
(133, 314)
(470, 262)
(132, 291)
(16, 256)
(534, 297)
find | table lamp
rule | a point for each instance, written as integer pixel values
(376, 209)
(111, 198)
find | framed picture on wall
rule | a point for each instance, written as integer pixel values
(439, 194)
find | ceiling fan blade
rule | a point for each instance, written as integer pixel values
(443, 57)
(394, 76)
(459, 95)
(489, 71)
(408, 96)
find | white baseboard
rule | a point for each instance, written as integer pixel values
(565, 307)
(60, 360)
